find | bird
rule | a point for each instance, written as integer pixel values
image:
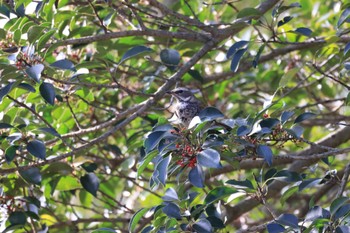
(187, 106)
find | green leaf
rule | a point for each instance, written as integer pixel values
(284, 21)
(172, 210)
(134, 51)
(238, 184)
(136, 218)
(236, 59)
(34, 33)
(37, 149)
(170, 58)
(248, 12)
(344, 17)
(90, 183)
(35, 71)
(10, 153)
(27, 87)
(47, 91)
(288, 220)
(288, 193)
(5, 90)
(209, 158)
(210, 114)
(196, 176)
(218, 193)
(265, 152)
(235, 47)
(303, 117)
(288, 76)
(337, 203)
(64, 64)
(144, 163)
(303, 31)
(45, 38)
(31, 175)
(17, 218)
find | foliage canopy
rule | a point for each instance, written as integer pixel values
(86, 144)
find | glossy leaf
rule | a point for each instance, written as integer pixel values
(314, 213)
(34, 72)
(5, 126)
(286, 115)
(51, 131)
(296, 131)
(146, 160)
(337, 203)
(5, 90)
(243, 130)
(303, 31)
(64, 64)
(136, 218)
(288, 193)
(10, 153)
(269, 123)
(209, 158)
(284, 21)
(26, 86)
(342, 211)
(238, 184)
(235, 47)
(162, 168)
(218, 193)
(288, 220)
(275, 228)
(304, 116)
(17, 218)
(170, 58)
(265, 152)
(152, 140)
(37, 149)
(347, 48)
(210, 114)
(134, 51)
(236, 59)
(309, 183)
(288, 76)
(172, 210)
(90, 183)
(203, 226)
(31, 175)
(47, 91)
(170, 195)
(257, 56)
(344, 16)
(215, 222)
(196, 176)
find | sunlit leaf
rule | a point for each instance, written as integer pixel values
(218, 193)
(196, 176)
(64, 64)
(134, 51)
(5, 90)
(136, 218)
(35, 71)
(236, 59)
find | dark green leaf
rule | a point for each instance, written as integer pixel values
(248, 12)
(347, 65)
(170, 195)
(337, 203)
(37, 149)
(34, 72)
(314, 213)
(136, 218)
(5, 126)
(47, 91)
(288, 193)
(342, 211)
(196, 176)
(51, 131)
(243, 130)
(64, 64)
(344, 17)
(5, 90)
(26, 86)
(286, 116)
(170, 58)
(134, 51)
(196, 75)
(347, 48)
(235, 47)
(309, 183)
(218, 193)
(257, 56)
(303, 31)
(284, 21)
(210, 114)
(31, 175)
(172, 210)
(152, 140)
(288, 220)
(287, 176)
(17, 218)
(10, 153)
(304, 116)
(236, 59)
(269, 123)
(203, 226)
(209, 158)
(238, 184)
(90, 183)
(265, 152)
(275, 228)
(162, 169)
(342, 229)
(34, 33)
(216, 222)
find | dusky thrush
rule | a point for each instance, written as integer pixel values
(187, 106)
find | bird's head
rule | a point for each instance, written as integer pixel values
(182, 94)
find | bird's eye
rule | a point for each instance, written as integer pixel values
(179, 91)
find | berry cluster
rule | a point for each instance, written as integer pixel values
(188, 156)
(8, 43)
(24, 60)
